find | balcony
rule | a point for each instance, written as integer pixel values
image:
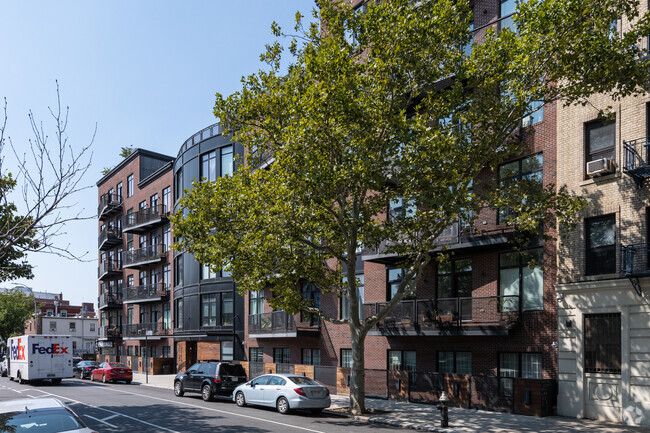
(109, 269)
(144, 256)
(106, 332)
(479, 315)
(635, 263)
(144, 219)
(109, 205)
(485, 232)
(110, 301)
(145, 293)
(138, 331)
(637, 160)
(108, 239)
(277, 324)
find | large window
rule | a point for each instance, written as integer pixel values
(508, 7)
(223, 157)
(255, 354)
(602, 343)
(455, 279)
(166, 316)
(511, 365)
(227, 161)
(536, 115)
(345, 302)
(524, 169)
(153, 201)
(129, 186)
(227, 309)
(281, 355)
(209, 166)
(311, 356)
(207, 273)
(178, 184)
(600, 140)
(517, 280)
(178, 313)
(256, 302)
(209, 310)
(178, 270)
(312, 294)
(455, 362)
(601, 245)
(346, 358)
(227, 351)
(119, 191)
(401, 208)
(166, 199)
(401, 360)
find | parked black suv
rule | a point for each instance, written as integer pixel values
(210, 378)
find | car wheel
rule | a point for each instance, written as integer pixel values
(178, 389)
(104, 379)
(206, 393)
(240, 399)
(316, 411)
(282, 405)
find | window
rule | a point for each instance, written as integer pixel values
(524, 169)
(346, 358)
(602, 343)
(600, 140)
(400, 208)
(401, 360)
(153, 201)
(73, 327)
(178, 314)
(601, 245)
(209, 166)
(166, 199)
(129, 281)
(536, 114)
(508, 8)
(166, 316)
(129, 186)
(227, 351)
(350, 35)
(129, 315)
(310, 293)
(119, 191)
(394, 278)
(154, 352)
(511, 365)
(111, 195)
(455, 279)
(143, 278)
(137, 350)
(142, 205)
(64, 313)
(255, 302)
(227, 166)
(227, 309)
(455, 362)
(178, 184)
(143, 314)
(517, 280)
(166, 276)
(166, 352)
(345, 302)
(52, 326)
(167, 237)
(92, 327)
(207, 273)
(281, 355)
(129, 350)
(255, 354)
(178, 270)
(209, 310)
(311, 356)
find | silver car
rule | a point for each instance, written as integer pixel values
(43, 415)
(284, 392)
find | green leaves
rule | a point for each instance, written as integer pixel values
(15, 309)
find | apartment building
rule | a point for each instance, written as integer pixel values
(208, 311)
(603, 308)
(135, 266)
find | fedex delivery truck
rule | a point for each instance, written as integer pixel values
(36, 357)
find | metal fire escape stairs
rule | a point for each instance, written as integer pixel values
(637, 163)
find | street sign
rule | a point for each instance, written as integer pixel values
(149, 332)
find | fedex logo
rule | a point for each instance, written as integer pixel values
(17, 351)
(54, 349)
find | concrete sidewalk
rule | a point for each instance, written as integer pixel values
(426, 417)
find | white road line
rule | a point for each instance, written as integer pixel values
(109, 417)
(107, 410)
(101, 420)
(220, 411)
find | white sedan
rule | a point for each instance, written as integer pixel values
(284, 392)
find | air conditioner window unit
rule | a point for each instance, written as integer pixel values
(600, 167)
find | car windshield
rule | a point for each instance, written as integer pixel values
(56, 420)
(117, 365)
(232, 370)
(300, 380)
(91, 363)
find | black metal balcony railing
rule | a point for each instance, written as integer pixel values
(144, 219)
(204, 134)
(140, 329)
(143, 256)
(501, 311)
(637, 159)
(146, 292)
(108, 205)
(109, 268)
(277, 322)
(635, 260)
(110, 300)
(110, 332)
(108, 239)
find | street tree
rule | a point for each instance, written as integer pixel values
(36, 201)
(395, 105)
(15, 309)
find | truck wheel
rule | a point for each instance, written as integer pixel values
(56, 381)
(20, 379)
(206, 393)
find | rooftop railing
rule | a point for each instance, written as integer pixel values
(276, 322)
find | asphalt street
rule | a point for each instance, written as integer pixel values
(132, 408)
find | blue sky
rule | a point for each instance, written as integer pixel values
(144, 71)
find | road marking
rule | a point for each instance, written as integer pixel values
(109, 417)
(220, 411)
(101, 420)
(108, 410)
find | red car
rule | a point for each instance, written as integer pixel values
(112, 371)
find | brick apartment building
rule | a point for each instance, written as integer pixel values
(604, 342)
(135, 268)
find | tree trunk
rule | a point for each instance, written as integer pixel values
(357, 376)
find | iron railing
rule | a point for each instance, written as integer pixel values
(107, 204)
(109, 238)
(146, 292)
(107, 267)
(144, 218)
(144, 255)
(110, 300)
(271, 323)
(634, 260)
(140, 329)
(110, 332)
(204, 134)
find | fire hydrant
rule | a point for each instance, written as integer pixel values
(444, 410)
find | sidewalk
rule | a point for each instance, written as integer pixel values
(426, 417)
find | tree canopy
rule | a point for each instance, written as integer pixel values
(15, 309)
(395, 105)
